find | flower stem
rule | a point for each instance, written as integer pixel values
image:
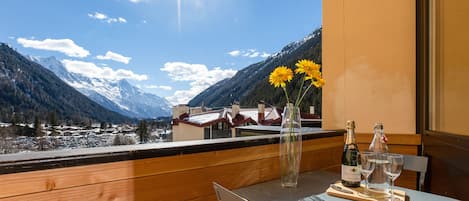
(297, 103)
(286, 94)
(302, 96)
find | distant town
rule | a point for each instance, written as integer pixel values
(23, 137)
(187, 123)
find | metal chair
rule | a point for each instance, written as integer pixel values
(224, 194)
(417, 164)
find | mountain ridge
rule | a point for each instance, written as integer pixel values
(251, 85)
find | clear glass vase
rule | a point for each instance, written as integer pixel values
(290, 146)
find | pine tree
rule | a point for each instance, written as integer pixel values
(103, 125)
(52, 119)
(14, 119)
(143, 131)
(89, 124)
(37, 127)
(38, 133)
(13, 123)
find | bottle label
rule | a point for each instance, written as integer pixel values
(351, 173)
(383, 139)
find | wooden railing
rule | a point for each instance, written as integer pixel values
(184, 176)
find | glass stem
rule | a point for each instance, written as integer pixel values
(392, 189)
(366, 186)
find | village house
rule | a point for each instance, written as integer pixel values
(204, 123)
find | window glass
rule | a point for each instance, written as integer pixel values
(449, 66)
(124, 72)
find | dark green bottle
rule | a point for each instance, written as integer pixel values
(351, 176)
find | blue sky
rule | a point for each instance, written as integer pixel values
(172, 48)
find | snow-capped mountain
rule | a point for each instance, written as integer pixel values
(116, 95)
(29, 91)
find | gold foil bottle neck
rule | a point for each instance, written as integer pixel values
(350, 124)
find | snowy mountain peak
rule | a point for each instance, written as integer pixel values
(295, 44)
(116, 95)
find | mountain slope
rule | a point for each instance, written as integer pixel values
(116, 95)
(251, 84)
(29, 90)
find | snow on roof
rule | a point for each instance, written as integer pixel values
(250, 113)
(204, 118)
(272, 114)
(226, 113)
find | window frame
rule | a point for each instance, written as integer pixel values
(443, 149)
(423, 68)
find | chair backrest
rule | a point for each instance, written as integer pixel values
(418, 164)
(224, 194)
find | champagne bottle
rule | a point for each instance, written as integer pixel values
(351, 176)
(377, 179)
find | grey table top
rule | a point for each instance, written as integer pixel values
(411, 195)
(311, 184)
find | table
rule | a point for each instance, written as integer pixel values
(311, 184)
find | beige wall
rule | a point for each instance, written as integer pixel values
(451, 67)
(180, 109)
(182, 132)
(369, 64)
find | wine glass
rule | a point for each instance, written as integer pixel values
(393, 168)
(367, 166)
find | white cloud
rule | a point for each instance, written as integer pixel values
(254, 54)
(265, 55)
(114, 56)
(163, 87)
(234, 53)
(98, 16)
(199, 75)
(251, 53)
(103, 17)
(139, 1)
(65, 46)
(11, 37)
(181, 97)
(144, 21)
(122, 20)
(91, 70)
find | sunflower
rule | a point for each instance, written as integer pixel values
(280, 76)
(319, 83)
(306, 66)
(315, 75)
(310, 72)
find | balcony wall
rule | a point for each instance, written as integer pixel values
(183, 175)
